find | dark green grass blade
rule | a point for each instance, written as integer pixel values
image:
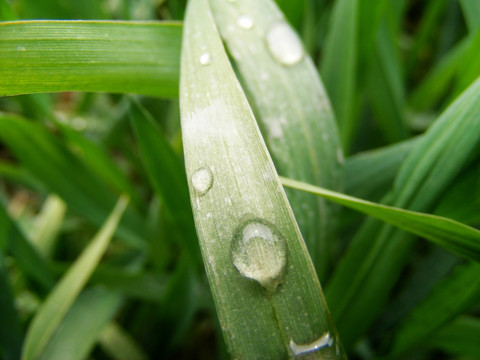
(10, 331)
(460, 337)
(26, 256)
(454, 236)
(471, 12)
(166, 174)
(53, 310)
(80, 329)
(293, 111)
(339, 66)
(377, 253)
(63, 173)
(233, 188)
(452, 296)
(109, 56)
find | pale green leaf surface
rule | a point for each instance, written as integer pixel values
(339, 66)
(83, 325)
(64, 173)
(452, 235)
(102, 56)
(119, 344)
(237, 186)
(425, 174)
(293, 112)
(471, 12)
(60, 300)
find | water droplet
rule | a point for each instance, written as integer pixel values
(205, 58)
(284, 44)
(259, 253)
(340, 158)
(21, 48)
(321, 342)
(245, 22)
(202, 180)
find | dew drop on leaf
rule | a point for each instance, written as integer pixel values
(259, 252)
(202, 180)
(322, 342)
(284, 44)
(205, 59)
(245, 22)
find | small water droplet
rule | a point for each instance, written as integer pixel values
(21, 48)
(284, 44)
(202, 180)
(259, 252)
(340, 158)
(321, 342)
(205, 59)
(245, 22)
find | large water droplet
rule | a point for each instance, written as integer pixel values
(245, 22)
(259, 252)
(205, 58)
(321, 342)
(284, 44)
(202, 180)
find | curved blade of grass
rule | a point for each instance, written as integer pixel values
(293, 110)
(105, 56)
(452, 235)
(64, 173)
(459, 337)
(471, 12)
(456, 294)
(119, 344)
(166, 173)
(339, 66)
(10, 331)
(83, 325)
(221, 140)
(378, 253)
(26, 256)
(62, 297)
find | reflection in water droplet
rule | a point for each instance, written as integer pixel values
(259, 253)
(205, 59)
(202, 180)
(321, 342)
(284, 44)
(245, 22)
(21, 48)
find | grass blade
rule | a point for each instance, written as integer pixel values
(452, 235)
(471, 12)
(62, 297)
(298, 125)
(10, 331)
(105, 56)
(339, 66)
(83, 325)
(119, 344)
(234, 191)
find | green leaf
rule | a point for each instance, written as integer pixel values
(339, 66)
(452, 235)
(62, 297)
(378, 253)
(63, 173)
(119, 344)
(104, 56)
(292, 109)
(83, 325)
(166, 174)
(452, 296)
(460, 337)
(26, 256)
(239, 206)
(471, 11)
(10, 331)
